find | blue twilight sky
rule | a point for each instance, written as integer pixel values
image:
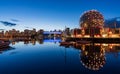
(51, 14)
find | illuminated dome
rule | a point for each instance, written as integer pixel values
(92, 18)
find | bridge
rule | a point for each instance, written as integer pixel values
(47, 32)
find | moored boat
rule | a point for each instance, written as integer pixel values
(65, 43)
(4, 44)
(83, 42)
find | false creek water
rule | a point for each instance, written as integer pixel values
(48, 57)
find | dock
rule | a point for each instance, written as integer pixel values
(94, 40)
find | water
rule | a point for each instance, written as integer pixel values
(48, 57)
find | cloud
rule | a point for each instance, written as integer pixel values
(14, 20)
(6, 23)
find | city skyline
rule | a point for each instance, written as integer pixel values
(51, 14)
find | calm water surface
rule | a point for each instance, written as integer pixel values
(51, 58)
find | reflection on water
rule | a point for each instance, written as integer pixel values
(6, 49)
(40, 41)
(34, 41)
(30, 41)
(50, 57)
(92, 56)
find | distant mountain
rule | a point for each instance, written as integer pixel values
(112, 23)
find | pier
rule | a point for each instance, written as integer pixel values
(94, 40)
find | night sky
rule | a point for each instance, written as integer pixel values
(51, 14)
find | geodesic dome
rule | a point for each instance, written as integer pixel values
(91, 18)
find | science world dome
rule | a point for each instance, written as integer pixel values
(91, 18)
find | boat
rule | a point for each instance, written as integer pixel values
(83, 42)
(4, 44)
(65, 43)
